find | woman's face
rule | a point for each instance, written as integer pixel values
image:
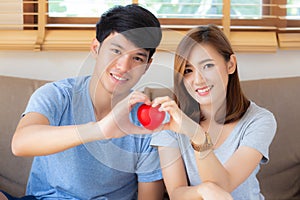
(206, 74)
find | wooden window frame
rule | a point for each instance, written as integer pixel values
(30, 19)
(56, 33)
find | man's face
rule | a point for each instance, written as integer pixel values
(120, 64)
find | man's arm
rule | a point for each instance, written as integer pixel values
(34, 136)
(151, 191)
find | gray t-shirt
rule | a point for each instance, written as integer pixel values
(256, 129)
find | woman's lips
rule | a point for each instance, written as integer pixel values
(203, 91)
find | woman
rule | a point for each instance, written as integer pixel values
(217, 136)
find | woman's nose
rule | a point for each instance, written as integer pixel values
(198, 77)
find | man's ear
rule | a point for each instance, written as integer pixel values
(231, 65)
(95, 47)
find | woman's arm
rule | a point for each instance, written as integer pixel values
(235, 171)
(175, 179)
(228, 176)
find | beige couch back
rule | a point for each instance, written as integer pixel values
(280, 179)
(15, 93)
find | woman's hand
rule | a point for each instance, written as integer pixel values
(211, 191)
(170, 106)
(179, 121)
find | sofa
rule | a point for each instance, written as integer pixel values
(280, 178)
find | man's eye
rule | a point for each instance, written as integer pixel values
(139, 59)
(116, 51)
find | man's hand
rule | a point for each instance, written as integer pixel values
(117, 123)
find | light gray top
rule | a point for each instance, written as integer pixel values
(256, 129)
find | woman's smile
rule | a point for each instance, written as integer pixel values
(203, 91)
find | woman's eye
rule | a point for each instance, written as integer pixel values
(207, 66)
(186, 71)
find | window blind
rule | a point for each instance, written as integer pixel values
(256, 25)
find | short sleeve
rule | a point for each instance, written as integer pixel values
(165, 138)
(148, 165)
(49, 101)
(260, 133)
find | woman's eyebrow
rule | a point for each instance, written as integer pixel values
(204, 61)
(188, 64)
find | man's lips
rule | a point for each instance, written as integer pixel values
(118, 77)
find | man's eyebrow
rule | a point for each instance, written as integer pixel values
(142, 54)
(139, 53)
(117, 45)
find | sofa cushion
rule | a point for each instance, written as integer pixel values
(15, 93)
(280, 178)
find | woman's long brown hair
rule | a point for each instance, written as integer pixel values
(236, 102)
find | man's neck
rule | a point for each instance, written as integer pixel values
(103, 101)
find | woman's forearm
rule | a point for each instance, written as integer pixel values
(212, 170)
(185, 193)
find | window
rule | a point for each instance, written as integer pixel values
(255, 14)
(162, 9)
(77, 8)
(293, 9)
(50, 24)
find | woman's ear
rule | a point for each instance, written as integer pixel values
(231, 65)
(95, 47)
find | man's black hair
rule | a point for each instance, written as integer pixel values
(136, 23)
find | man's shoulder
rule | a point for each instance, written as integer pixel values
(68, 84)
(71, 82)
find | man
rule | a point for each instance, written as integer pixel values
(78, 129)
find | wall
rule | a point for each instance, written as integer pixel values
(59, 65)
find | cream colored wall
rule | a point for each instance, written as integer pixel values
(59, 65)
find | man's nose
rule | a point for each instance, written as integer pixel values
(123, 63)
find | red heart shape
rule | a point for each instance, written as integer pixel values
(150, 117)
